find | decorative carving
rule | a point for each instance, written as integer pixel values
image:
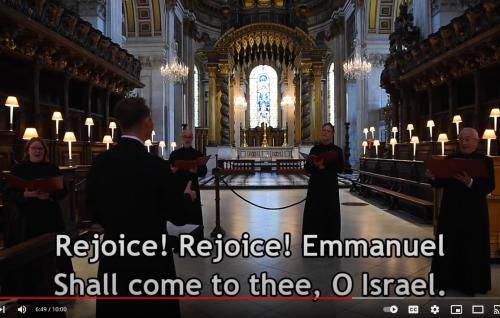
(305, 92)
(224, 101)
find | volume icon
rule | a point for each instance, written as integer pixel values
(22, 309)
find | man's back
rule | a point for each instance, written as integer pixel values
(127, 190)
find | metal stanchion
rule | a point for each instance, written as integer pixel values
(218, 228)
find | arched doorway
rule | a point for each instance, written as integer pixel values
(263, 83)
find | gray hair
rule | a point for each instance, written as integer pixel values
(471, 130)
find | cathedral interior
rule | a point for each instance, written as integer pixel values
(255, 81)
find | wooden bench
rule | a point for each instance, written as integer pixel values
(394, 192)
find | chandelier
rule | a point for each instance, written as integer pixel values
(175, 71)
(358, 66)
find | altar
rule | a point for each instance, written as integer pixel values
(265, 153)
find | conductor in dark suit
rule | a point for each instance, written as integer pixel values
(130, 191)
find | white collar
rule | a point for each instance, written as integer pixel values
(133, 137)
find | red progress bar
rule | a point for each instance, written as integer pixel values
(173, 298)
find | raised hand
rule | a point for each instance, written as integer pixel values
(190, 192)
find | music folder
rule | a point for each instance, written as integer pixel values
(446, 169)
(326, 156)
(191, 164)
(44, 184)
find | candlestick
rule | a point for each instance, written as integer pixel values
(376, 143)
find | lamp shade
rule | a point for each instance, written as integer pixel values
(89, 121)
(173, 144)
(394, 129)
(409, 127)
(414, 140)
(376, 142)
(161, 144)
(457, 119)
(148, 142)
(12, 101)
(365, 130)
(495, 112)
(443, 138)
(57, 116)
(29, 133)
(112, 125)
(364, 143)
(430, 123)
(69, 136)
(393, 141)
(107, 139)
(372, 129)
(489, 134)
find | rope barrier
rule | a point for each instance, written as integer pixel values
(257, 205)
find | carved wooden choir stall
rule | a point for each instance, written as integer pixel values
(437, 86)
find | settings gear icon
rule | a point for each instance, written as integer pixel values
(435, 309)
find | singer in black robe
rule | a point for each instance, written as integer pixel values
(463, 222)
(133, 192)
(322, 207)
(186, 152)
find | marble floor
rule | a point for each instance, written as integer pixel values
(358, 221)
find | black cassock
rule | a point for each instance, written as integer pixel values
(188, 153)
(463, 221)
(28, 218)
(322, 208)
(133, 192)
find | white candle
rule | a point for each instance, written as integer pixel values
(489, 145)
(430, 131)
(376, 150)
(394, 134)
(88, 126)
(107, 146)
(57, 129)
(442, 148)
(184, 111)
(392, 150)
(112, 133)
(414, 150)
(458, 129)
(69, 149)
(364, 150)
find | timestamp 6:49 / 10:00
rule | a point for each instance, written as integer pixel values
(51, 309)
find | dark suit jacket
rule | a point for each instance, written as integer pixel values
(133, 192)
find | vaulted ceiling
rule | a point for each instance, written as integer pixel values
(142, 18)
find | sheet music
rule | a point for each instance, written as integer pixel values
(175, 230)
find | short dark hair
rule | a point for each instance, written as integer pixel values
(131, 111)
(328, 124)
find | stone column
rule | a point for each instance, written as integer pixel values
(305, 103)
(317, 106)
(223, 79)
(211, 69)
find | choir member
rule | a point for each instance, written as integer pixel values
(463, 222)
(187, 152)
(37, 212)
(322, 207)
(130, 191)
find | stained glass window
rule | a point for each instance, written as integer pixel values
(263, 96)
(331, 94)
(196, 102)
